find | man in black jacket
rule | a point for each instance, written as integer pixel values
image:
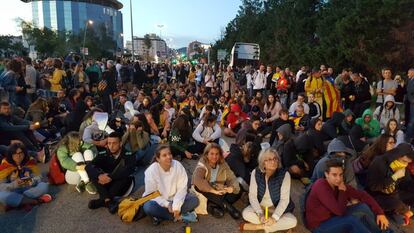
(362, 98)
(14, 128)
(107, 87)
(111, 172)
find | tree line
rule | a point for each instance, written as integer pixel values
(363, 34)
(52, 43)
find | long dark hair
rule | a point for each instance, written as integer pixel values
(182, 124)
(388, 130)
(377, 148)
(141, 117)
(12, 150)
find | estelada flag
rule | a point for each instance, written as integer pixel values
(332, 99)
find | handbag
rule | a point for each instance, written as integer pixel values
(56, 175)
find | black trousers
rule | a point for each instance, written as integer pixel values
(113, 189)
(219, 200)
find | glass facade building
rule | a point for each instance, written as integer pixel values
(66, 15)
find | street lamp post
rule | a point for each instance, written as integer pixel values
(88, 22)
(160, 26)
(132, 30)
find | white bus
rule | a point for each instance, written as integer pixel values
(243, 54)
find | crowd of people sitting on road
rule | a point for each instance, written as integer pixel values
(96, 122)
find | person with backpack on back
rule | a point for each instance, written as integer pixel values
(327, 207)
(388, 110)
(385, 87)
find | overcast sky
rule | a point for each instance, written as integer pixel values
(183, 20)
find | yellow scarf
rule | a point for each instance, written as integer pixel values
(397, 165)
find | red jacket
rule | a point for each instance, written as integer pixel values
(232, 118)
(323, 202)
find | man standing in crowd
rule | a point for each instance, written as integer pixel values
(410, 98)
(385, 87)
(30, 79)
(259, 80)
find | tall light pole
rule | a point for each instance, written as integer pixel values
(160, 26)
(132, 30)
(88, 22)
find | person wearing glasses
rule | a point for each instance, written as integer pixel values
(271, 208)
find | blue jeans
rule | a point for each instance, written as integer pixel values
(153, 209)
(357, 219)
(14, 198)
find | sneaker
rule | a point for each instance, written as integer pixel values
(80, 187)
(45, 198)
(189, 217)
(215, 211)
(90, 188)
(96, 204)
(112, 206)
(155, 221)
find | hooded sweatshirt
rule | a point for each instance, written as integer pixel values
(336, 146)
(232, 118)
(379, 178)
(345, 125)
(383, 115)
(353, 139)
(286, 147)
(370, 129)
(330, 128)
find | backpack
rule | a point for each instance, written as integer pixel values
(56, 173)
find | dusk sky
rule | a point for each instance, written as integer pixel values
(183, 20)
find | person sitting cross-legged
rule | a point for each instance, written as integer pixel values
(20, 180)
(327, 207)
(215, 181)
(73, 155)
(168, 177)
(110, 172)
(270, 206)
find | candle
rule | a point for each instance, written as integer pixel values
(37, 123)
(266, 212)
(187, 229)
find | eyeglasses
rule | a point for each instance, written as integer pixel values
(274, 159)
(391, 142)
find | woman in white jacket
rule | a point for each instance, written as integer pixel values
(168, 177)
(206, 132)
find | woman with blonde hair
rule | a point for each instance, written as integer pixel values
(73, 155)
(270, 206)
(215, 181)
(80, 77)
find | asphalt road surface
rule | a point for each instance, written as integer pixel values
(69, 213)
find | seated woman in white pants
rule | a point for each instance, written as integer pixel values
(269, 189)
(73, 154)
